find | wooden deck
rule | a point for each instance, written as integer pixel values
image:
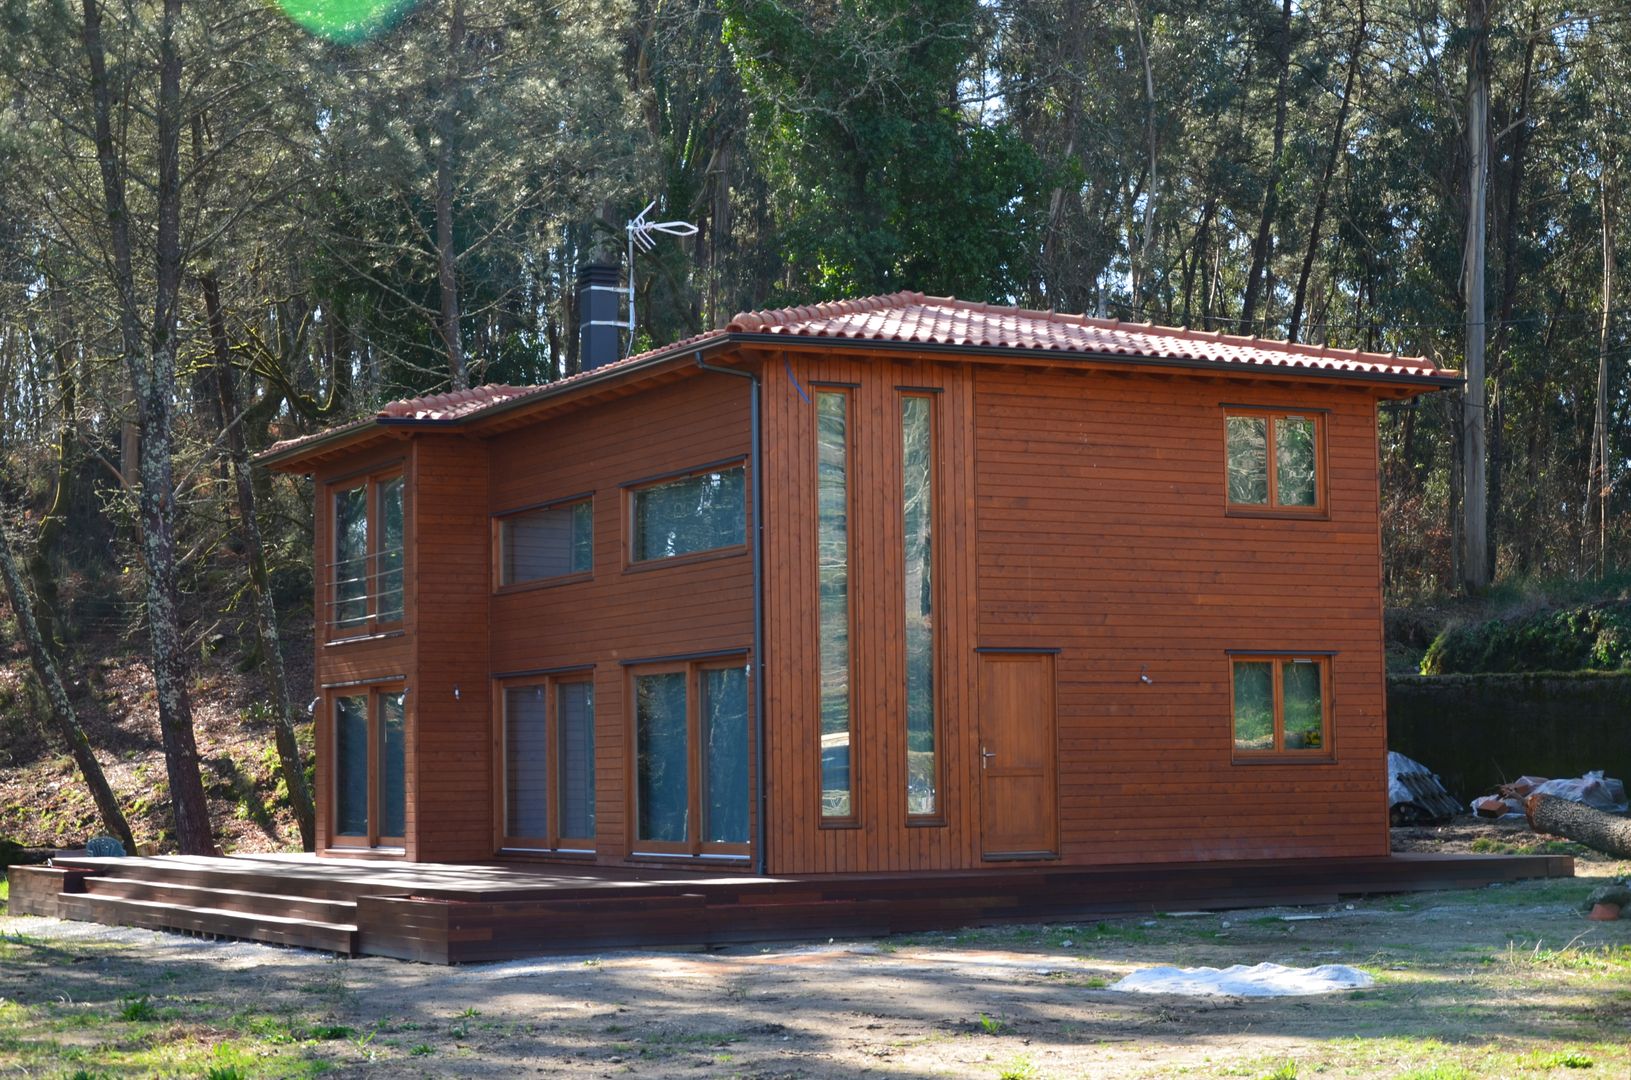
(457, 913)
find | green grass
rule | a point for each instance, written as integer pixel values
(5, 894)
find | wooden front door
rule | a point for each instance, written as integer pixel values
(1018, 758)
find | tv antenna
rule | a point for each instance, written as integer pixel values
(641, 235)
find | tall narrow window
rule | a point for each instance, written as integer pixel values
(1281, 708)
(833, 615)
(1273, 461)
(393, 765)
(366, 579)
(351, 766)
(692, 760)
(549, 764)
(917, 486)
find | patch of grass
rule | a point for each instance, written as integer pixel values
(1021, 1068)
(1488, 845)
(1438, 1072)
(329, 1032)
(1286, 1070)
(137, 1008)
(422, 1050)
(992, 1025)
(1565, 1059)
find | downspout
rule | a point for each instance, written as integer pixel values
(754, 458)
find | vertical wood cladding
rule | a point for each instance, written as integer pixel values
(1079, 511)
(620, 613)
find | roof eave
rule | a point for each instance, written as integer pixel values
(1435, 380)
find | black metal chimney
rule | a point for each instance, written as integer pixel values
(598, 301)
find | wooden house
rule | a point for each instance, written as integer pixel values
(893, 584)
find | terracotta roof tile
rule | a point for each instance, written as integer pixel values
(914, 318)
(938, 320)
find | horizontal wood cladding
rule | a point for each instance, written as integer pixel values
(448, 705)
(617, 615)
(1102, 532)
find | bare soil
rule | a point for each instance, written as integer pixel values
(1504, 981)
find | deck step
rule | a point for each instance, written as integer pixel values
(216, 873)
(158, 915)
(337, 912)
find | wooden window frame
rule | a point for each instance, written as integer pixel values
(371, 625)
(500, 587)
(852, 820)
(553, 843)
(631, 505)
(374, 841)
(1321, 510)
(1325, 754)
(693, 846)
(937, 535)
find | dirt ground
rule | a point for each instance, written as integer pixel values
(1505, 981)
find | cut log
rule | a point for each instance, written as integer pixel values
(1578, 822)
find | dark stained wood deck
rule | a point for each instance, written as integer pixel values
(462, 913)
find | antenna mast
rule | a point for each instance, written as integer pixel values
(640, 235)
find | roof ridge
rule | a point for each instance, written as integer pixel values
(753, 322)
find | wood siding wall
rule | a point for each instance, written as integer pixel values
(1084, 512)
(621, 614)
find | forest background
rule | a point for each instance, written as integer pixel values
(228, 223)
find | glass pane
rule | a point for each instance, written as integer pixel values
(917, 483)
(389, 604)
(1295, 474)
(393, 791)
(1248, 460)
(1304, 712)
(832, 542)
(575, 721)
(526, 763)
(351, 557)
(662, 743)
(351, 766)
(694, 513)
(1254, 706)
(725, 743)
(547, 543)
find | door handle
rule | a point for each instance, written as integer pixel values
(985, 756)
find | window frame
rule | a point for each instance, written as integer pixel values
(1325, 754)
(500, 587)
(371, 482)
(553, 842)
(631, 506)
(372, 693)
(936, 818)
(1272, 508)
(693, 846)
(852, 820)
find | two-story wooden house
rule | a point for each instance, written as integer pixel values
(899, 583)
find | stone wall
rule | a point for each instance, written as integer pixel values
(1477, 731)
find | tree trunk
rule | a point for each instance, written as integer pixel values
(152, 370)
(266, 624)
(1263, 245)
(447, 255)
(1141, 264)
(55, 522)
(1333, 155)
(63, 715)
(1475, 573)
(1608, 833)
(1599, 474)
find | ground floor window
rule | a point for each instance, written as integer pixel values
(1282, 707)
(548, 780)
(370, 767)
(691, 748)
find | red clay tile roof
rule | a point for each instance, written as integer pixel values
(942, 320)
(913, 318)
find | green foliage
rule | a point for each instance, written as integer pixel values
(1597, 637)
(137, 1008)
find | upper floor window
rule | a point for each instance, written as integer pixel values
(366, 573)
(703, 511)
(1275, 461)
(550, 541)
(1281, 707)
